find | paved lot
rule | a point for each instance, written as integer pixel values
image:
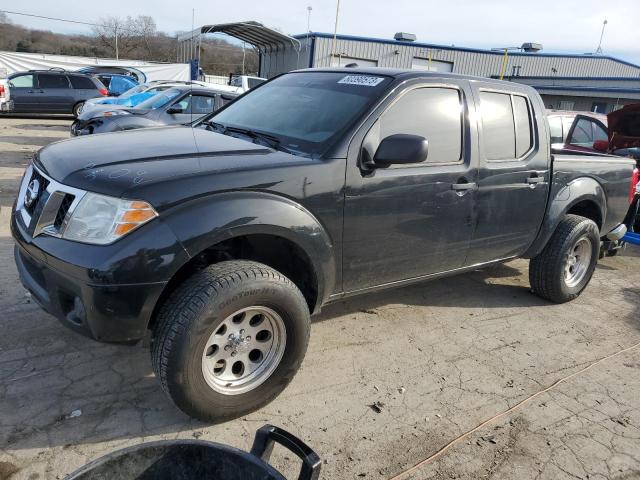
(441, 358)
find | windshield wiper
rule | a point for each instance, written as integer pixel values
(268, 139)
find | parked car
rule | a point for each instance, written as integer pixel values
(136, 95)
(318, 185)
(53, 91)
(117, 84)
(245, 82)
(6, 104)
(175, 106)
(132, 72)
(576, 131)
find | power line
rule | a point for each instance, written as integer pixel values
(53, 18)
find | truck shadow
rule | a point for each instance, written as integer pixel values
(498, 286)
(60, 389)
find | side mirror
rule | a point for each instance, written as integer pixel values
(401, 149)
(173, 109)
(601, 146)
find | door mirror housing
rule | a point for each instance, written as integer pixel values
(401, 149)
(601, 146)
(174, 109)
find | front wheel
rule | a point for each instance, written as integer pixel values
(230, 339)
(564, 268)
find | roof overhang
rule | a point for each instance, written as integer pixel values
(264, 39)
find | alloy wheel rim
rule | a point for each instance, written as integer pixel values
(244, 350)
(577, 262)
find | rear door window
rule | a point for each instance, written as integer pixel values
(51, 80)
(524, 137)
(507, 125)
(82, 83)
(582, 135)
(22, 81)
(498, 126)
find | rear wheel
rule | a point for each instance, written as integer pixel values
(565, 266)
(230, 339)
(77, 109)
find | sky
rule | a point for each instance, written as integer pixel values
(572, 26)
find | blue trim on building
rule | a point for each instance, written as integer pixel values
(533, 77)
(586, 89)
(462, 49)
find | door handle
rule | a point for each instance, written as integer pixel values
(463, 187)
(534, 180)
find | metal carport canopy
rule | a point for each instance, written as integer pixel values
(254, 33)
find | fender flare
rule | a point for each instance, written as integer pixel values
(206, 221)
(565, 198)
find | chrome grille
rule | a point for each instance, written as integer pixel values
(49, 211)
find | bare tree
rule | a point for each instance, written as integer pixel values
(125, 36)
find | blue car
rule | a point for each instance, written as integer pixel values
(132, 97)
(117, 84)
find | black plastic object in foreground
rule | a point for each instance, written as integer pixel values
(201, 460)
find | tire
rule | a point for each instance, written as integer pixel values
(551, 273)
(186, 349)
(76, 109)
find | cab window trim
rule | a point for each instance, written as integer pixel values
(463, 124)
(533, 137)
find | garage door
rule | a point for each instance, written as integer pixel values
(342, 61)
(433, 66)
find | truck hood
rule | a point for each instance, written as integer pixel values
(117, 163)
(624, 127)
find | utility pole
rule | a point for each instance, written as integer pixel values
(309, 8)
(116, 34)
(599, 49)
(335, 32)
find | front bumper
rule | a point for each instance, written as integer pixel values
(108, 292)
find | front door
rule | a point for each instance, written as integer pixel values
(409, 221)
(24, 93)
(513, 178)
(192, 107)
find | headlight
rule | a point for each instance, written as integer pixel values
(115, 113)
(101, 220)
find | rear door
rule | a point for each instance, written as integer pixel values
(409, 221)
(513, 179)
(24, 93)
(57, 94)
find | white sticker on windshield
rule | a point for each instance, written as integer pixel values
(362, 80)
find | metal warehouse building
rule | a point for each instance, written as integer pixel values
(565, 81)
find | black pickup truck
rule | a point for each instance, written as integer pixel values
(223, 238)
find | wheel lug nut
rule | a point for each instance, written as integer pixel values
(233, 354)
(241, 332)
(227, 348)
(248, 337)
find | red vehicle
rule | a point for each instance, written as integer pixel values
(576, 131)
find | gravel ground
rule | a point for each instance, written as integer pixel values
(557, 385)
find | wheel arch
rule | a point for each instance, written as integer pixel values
(256, 226)
(583, 196)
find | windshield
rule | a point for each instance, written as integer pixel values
(306, 111)
(158, 100)
(133, 91)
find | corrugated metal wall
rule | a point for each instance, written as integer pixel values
(400, 55)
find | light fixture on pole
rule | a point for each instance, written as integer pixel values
(529, 47)
(309, 9)
(599, 49)
(335, 31)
